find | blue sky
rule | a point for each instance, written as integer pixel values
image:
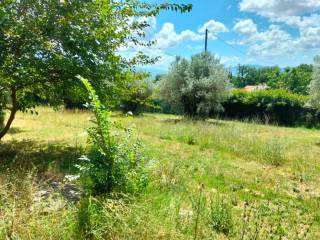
(259, 32)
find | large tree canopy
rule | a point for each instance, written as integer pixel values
(198, 86)
(44, 44)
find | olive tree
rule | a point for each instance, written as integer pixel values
(315, 85)
(44, 44)
(198, 86)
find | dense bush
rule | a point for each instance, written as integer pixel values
(162, 106)
(198, 86)
(114, 162)
(74, 97)
(139, 98)
(273, 106)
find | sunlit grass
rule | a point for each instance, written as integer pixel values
(242, 162)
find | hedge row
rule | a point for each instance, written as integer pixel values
(273, 106)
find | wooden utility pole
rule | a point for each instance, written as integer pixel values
(206, 42)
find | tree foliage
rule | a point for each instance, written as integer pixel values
(293, 79)
(315, 85)
(198, 86)
(250, 75)
(44, 44)
(139, 97)
(297, 79)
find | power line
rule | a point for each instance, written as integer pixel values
(240, 51)
(230, 45)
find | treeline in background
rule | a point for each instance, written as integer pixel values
(287, 96)
(203, 87)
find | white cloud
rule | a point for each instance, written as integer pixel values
(300, 14)
(152, 22)
(164, 59)
(309, 39)
(301, 21)
(276, 8)
(230, 60)
(271, 43)
(214, 27)
(275, 42)
(275, 34)
(246, 27)
(167, 37)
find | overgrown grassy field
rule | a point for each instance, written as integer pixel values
(208, 180)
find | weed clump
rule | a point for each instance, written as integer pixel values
(114, 162)
(274, 153)
(103, 218)
(191, 140)
(221, 216)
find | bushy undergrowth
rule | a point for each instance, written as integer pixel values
(114, 162)
(271, 106)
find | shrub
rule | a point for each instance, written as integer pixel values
(114, 162)
(162, 106)
(275, 106)
(198, 86)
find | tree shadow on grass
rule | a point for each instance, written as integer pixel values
(193, 120)
(15, 130)
(50, 158)
(172, 121)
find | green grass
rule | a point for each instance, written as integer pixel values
(268, 175)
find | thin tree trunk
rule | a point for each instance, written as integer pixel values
(13, 112)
